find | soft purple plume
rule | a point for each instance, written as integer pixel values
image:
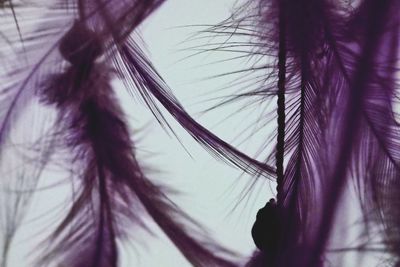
(334, 76)
(113, 191)
(364, 122)
(333, 70)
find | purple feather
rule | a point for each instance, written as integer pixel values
(333, 72)
(113, 189)
(367, 142)
(334, 77)
(141, 75)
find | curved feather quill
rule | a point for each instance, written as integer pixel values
(142, 75)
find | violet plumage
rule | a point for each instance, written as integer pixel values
(333, 72)
(331, 66)
(72, 75)
(112, 187)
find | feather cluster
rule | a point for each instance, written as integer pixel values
(113, 191)
(72, 57)
(334, 70)
(332, 67)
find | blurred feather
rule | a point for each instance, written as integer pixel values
(365, 114)
(22, 166)
(113, 190)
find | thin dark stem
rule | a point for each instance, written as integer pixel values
(280, 148)
(291, 217)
